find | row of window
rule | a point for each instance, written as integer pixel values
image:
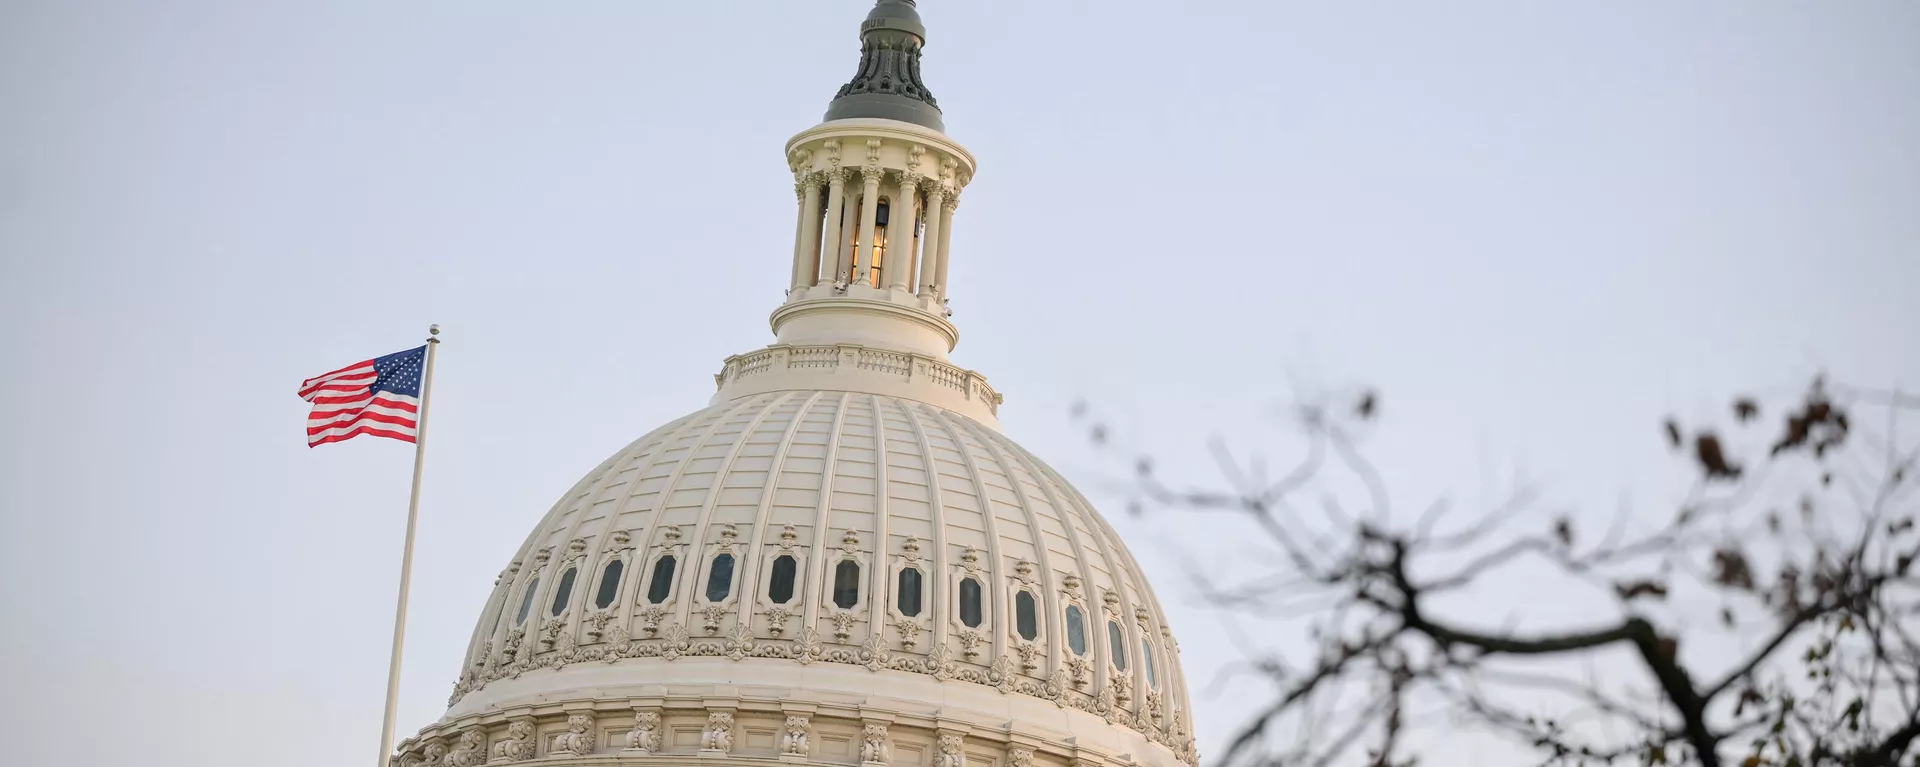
(784, 576)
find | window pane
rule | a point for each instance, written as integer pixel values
(780, 586)
(565, 592)
(1024, 619)
(720, 578)
(1076, 630)
(910, 592)
(662, 584)
(609, 584)
(1117, 645)
(846, 584)
(1146, 662)
(970, 603)
(526, 601)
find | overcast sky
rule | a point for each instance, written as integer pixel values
(1537, 227)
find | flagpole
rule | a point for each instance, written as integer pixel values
(406, 556)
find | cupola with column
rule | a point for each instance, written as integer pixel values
(876, 186)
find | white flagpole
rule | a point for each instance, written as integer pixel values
(406, 556)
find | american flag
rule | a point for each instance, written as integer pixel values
(380, 396)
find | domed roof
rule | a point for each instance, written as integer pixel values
(843, 553)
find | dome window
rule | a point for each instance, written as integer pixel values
(1025, 616)
(526, 600)
(780, 584)
(1076, 630)
(909, 599)
(846, 584)
(1146, 662)
(720, 578)
(609, 584)
(970, 603)
(662, 585)
(1117, 645)
(565, 591)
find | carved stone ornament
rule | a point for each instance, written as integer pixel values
(435, 752)
(710, 616)
(788, 537)
(620, 540)
(794, 741)
(718, 737)
(1079, 668)
(576, 550)
(952, 752)
(970, 643)
(874, 746)
(597, 625)
(970, 560)
(777, 617)
(1019, 757)
(644, 738)
(873, 152)
(518, 746)
(1023, 572)
(472, 751)
(909, 632)
(832, 146)
(910, 549)
(1111, 601)
(1030, 655)
(577, 740)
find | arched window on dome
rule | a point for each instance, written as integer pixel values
(609, 584)
(661, 586)
(526, 600)
(970, 612)
(781, 581)
(564, 593)
(908, 598)
(1026, 615)
(846, 584)
(1146, 663)
(1116, 645)
(720, 578)
(1076, 630)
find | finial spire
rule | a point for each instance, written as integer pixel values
(887, 84)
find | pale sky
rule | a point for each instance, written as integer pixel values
(1537, 227)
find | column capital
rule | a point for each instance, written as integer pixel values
(872, 174)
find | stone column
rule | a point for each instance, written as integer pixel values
(806, 247)
(836, 210)
(900, 252)
(930, 247)
(869, 211)
(946, 240)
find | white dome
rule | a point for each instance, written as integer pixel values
(824, 478)
(842, 560)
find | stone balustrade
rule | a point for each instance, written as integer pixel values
(856, 368)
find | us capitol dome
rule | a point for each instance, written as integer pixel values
(841, 560)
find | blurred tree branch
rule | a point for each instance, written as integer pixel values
(1830, 603)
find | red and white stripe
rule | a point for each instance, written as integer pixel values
(344, 406)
